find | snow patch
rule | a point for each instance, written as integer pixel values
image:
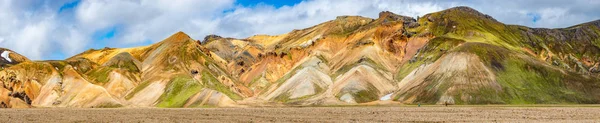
(5, 55)
(386, 97)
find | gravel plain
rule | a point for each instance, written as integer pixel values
(309, 114)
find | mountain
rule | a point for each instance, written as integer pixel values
(9, 58)
(456, 56)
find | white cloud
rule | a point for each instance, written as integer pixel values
(149, 20)
(33, 37)
(34, 28)
(25, 31)
(552, 15)
(75, 41)
(265, 19)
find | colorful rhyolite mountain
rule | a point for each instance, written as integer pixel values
(455, 56)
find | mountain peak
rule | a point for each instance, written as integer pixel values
(468, 11)
(347, 17)
(463, 8)
(177, 37)
(8, 56)
(180, 35)
(211, 37)
(394, 16)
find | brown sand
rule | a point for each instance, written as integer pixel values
(309, 114)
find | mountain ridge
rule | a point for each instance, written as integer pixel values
(456, 56)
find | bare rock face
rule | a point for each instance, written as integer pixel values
(209, 38)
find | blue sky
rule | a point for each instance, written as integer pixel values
(275, 3)
(57, 29)
(69, 5)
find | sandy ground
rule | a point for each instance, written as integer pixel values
(309, 114)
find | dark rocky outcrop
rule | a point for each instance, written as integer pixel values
(210, 38)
